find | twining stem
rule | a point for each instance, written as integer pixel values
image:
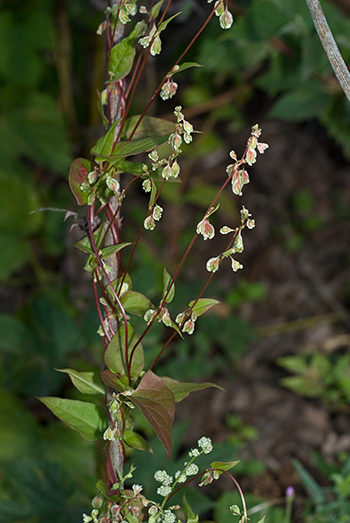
(330, 46)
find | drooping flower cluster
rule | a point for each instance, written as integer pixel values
(221, 10)
(189, 324)
(153, 36)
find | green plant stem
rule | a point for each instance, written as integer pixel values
(330, 46)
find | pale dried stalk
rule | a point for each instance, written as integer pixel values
(330, 46)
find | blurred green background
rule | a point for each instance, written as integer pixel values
(269, 64)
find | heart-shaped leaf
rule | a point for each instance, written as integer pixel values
(78, 173)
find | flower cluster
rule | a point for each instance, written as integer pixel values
(169, 89)
(162, 315)
(225, 17)
(149, 222)
(189, 325)
(153, 36)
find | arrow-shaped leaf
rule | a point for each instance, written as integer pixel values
(86, 418)
(157, 404)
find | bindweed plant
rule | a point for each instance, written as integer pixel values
(102, 186)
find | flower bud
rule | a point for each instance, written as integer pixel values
(149, 223)
(213, 264)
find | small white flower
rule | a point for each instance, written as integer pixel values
(205, 444)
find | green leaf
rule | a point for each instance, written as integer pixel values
(135, 441)
(302, 103)
(224, 465)
(185, 65)
(78, 173)
(189, 514)
(149, 126)
(157, 404)
(156, 9)
(202, 305)
(85, 382)
(135, 303)
(115, 354)
(182, 390)
(129, 148)
(124, 166)
(112, 249)
(166, 281)
(104, 145)
(113, 380)
(84, 243)
(121, 59)
(165, 23)
(84, 417)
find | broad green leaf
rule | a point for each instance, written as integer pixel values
(135, 441)
(185, 65)
(149, 126)
(130, 148)
(78, 173)
(86, 418)
(112, 249)
(182, 390)
(114, 380)
(85, 382)
(121, 59)
(104, 145)
(166, 281)
(157, 404)
(115, 354)
(202, 305)
(135, 303)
